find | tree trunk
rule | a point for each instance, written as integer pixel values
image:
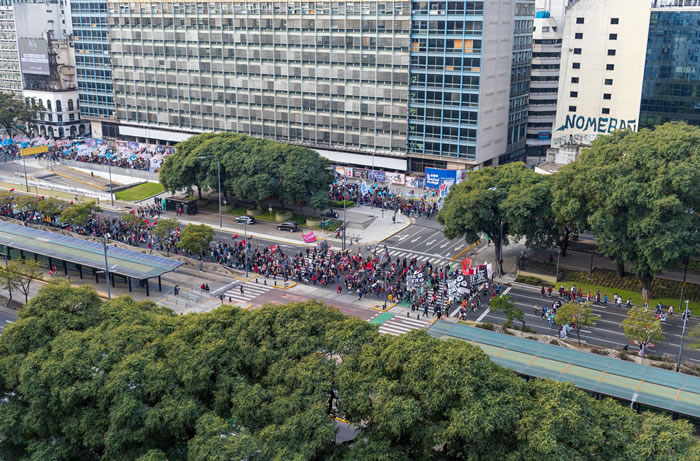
(646, 280)
(578, 335)
(620, 268)
(564, 245)
(199, 191)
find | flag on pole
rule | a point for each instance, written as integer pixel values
(274, 248)
(466, 264)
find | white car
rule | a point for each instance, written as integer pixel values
(245, 219)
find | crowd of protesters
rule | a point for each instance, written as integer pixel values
(133, 155)
(416, 206)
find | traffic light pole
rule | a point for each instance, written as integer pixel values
(685, 321)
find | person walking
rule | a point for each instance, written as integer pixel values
(241, 288)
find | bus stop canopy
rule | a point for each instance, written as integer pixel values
(128, 263)
(655, 387)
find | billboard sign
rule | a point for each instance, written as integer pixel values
(435, 177)
(34, 56)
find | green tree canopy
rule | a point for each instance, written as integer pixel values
(641, 190)
(78, 214)
(511, 195)
(578, 315)
(253, 169)
(506, 305)
(196, 238)
(86, 379)
(642, 327)
(17, 115)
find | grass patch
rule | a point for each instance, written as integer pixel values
(486, 326)
(140, 192)
(339, 203)
(667, 292)
(528, 280)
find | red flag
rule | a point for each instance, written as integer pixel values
(274, 248)
(234, 236)
(466, 263)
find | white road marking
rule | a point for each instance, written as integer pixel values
(444, 244)
(429, 243)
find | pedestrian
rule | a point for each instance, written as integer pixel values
(670, 311)
(629, 303)
(201, 264)
(339, 290)
(605, 300)
(241, 288)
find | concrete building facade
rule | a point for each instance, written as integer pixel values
(544, 83)
(398, 84)
(10, 76)
(602, 68)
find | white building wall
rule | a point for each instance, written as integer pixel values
(494, 97)
(583, 112)
(51, 120)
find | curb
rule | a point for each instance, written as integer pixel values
(388, 307)
(459, 255)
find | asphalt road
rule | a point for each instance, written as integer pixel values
(424, 238)
(7, 316)
(607, 332)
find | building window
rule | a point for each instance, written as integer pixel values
(611, 52)
(607, 96)
(579, 20)
(577, 50)
(606, 111)
(574, 79)
(577, 65)
(613, 37)
(608, 81)
(578, 36)
(614, 20)
(610, 67)
(572, 108)
(574, 94)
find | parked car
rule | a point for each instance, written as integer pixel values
(245, 219)
(288, 226)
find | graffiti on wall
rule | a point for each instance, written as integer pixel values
(588, 129)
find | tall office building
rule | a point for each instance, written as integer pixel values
(602, 68)
(627, 64)
(93, 65)
(10, 76)
(520, 80)
(544, 83)
(671, 86)
(398, 85)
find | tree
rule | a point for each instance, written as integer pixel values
(9, 280)
(184, 168)
(479, 205)
(89, 379)
(319, 201)
(505, 304)
(50, 206)
(133, 220)
(570, 205)
(164, 227)
(578, 315)
(78, 214)
(17, 115)
(641, 188)
(196, 238)
(642, 327)
(24, 271)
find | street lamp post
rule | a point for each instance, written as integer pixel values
(26, 180)
(556, 276)
(245, 230)
(109, 294)
(386, 289)
(500, 252)
(111, 192)
(686, 314)
(345, 216)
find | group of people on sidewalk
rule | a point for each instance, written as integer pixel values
(383, 197)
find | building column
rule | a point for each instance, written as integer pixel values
(148, 292)
(128, 280)
(160, 288)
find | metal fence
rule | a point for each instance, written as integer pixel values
(147, 175)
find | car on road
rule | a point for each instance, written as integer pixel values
(245, 219)
(288, 226)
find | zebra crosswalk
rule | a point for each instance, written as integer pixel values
(397, 324)
(420, 259)
(251, 290)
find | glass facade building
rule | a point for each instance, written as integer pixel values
(446, 45)
(671, 87)
(520, 79)
(92, 59)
